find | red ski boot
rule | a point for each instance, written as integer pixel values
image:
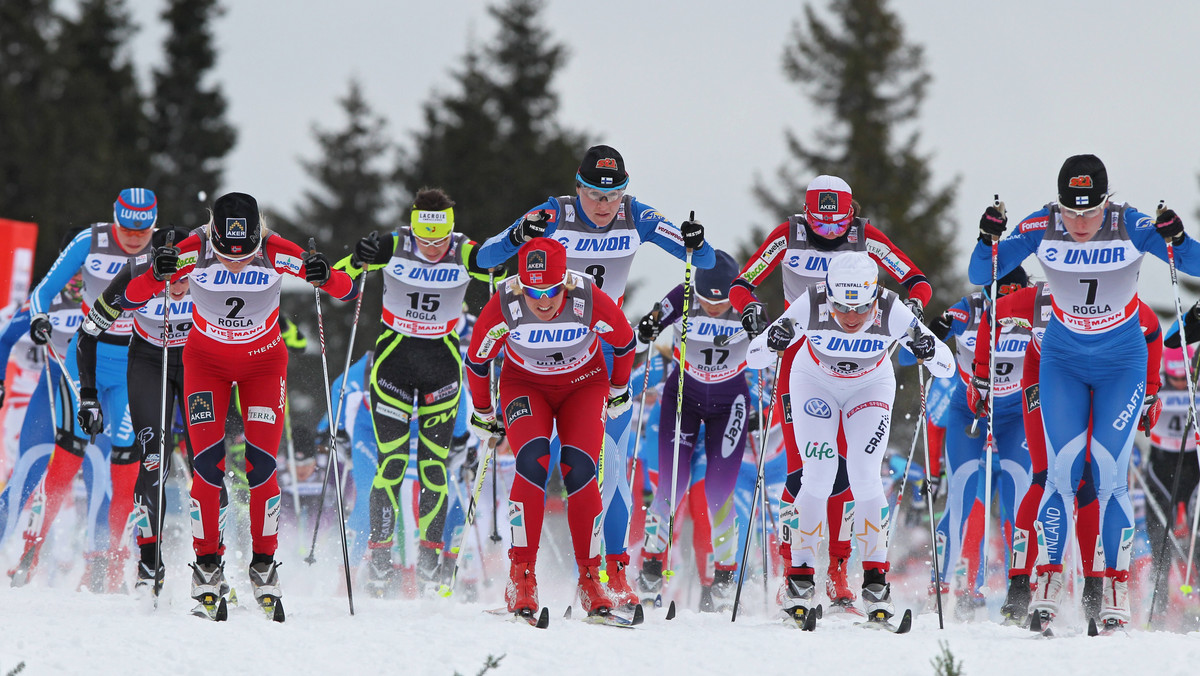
(618, 586)
(592, 596)
(28, 562)
(837, 586)
(521, 593)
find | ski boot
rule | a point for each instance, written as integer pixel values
(209, 587)
(931, 603)
(877, 595)
(428, 569)
(1093, 597)
(966, 604)
(27, 563)
(149, 581)
(1044, 606)
(706, 599)
(1114, 615)
(115, 582)
(381, 576)
(1016, 603)
(837, 586)
(592, 595)
(618, 586)
(521, 593)
(650, 580)
(264, 578)
(800, 598)
(723, 589)
(95, 573)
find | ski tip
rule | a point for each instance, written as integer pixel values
(222, 611)
(905, 622)
(567, 615)
(1093, 630)
(1035, 622)
(671, 611)
(543, 619)
(639, 615)
(810, 620)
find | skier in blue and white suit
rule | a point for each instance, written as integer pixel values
(601, 228)
(1093, 355)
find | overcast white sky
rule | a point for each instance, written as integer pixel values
(693, 96)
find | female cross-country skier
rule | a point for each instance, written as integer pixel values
(550, 322)
(236, 266)
(1092, 376)
(844, 378)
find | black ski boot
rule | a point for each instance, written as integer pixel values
(428, 566)
(1093, 597)
(1016, 604)
(650, 582)
(722, 590)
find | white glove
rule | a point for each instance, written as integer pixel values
(619, 401)
(485, 427)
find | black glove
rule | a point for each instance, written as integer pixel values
(923, 346)
(166, 262)
(992, 225)
(316, 269)
(1170, 227)
(940, 326)
(366, 251)
(648, 328)
(532, 226)
(752, 421)
(91, 419)
(933, 486)
(466, 473)
(917, 307)
(780, 335)
(1, 392)
(40, 329)
(754, 319)
(693, 234)
(977, 396)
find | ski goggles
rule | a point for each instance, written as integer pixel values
(1068, 212)
(856, 309)
(541, 294)
(429, 241)
(602, 195)
(831, 229)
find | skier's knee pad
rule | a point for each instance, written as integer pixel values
(124, 455)
(207, 464)
(70, 443)
(260, 465)
(791, 485)
(530, 463)
(1039, 478)
(581, 469)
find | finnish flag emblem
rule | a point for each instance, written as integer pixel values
(235, 228)
(1081, 200)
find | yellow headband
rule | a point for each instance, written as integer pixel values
(432, 224)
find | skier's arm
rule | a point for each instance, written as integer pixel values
(17, 326)
(613, 328)
(500, 247)
(287, 257)
(103, 313)
(759, 267)
(759, 356)
(477, 271)
(68, 263)
(1144, 235)
(652, 226)
(1016, 307)
(1010, 251)
(145, 286)
(903, 323)
(672, 307)
(1154, 347)
(487, 339)
(952, 322)
(386, 244)
(898, 265)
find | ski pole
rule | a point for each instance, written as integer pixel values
(762, 497)
(921, 422)
(687, 297)
(469, 518)
(1175, 483)
(637, 440)
(333, 456)
(162, 427)
(291, 451)
(335, 421)
(1186, 588)
(990, 446)
(929, 502)
(492, 386)
(758, 485)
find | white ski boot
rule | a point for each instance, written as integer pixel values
(800, 601)
(264, 577)
(210, 589)
(1044, 606)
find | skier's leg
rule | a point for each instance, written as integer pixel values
(262, 390)
(391, 413)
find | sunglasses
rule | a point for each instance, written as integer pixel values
(602, 195)
(431, 242)
(856, 309)
(540, 294)
(1068, 212)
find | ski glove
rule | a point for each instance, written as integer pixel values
(166, 262)
(40, 329)
(992, 225)
(1151, 409)
(485, 427)
(1, 392)
(754, 319)
(780, 335)
(693, 234)
(917, 308)
(619, 401)
(648, 328)
(316, 269)
(1170, 227)
(933, 486)
(977, 395)
(941, 325)
(467, 472)
(91, 419)
(532, 226)
(366, 251)
(923, 347)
